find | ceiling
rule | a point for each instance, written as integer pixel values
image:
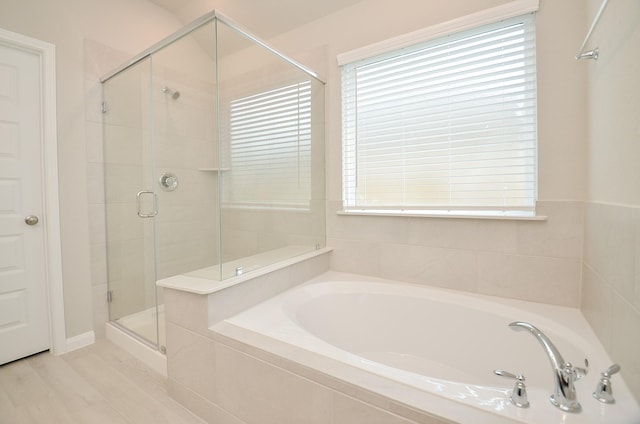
(265, 18)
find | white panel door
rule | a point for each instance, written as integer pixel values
(24, 315)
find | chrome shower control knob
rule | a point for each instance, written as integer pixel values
(603, 391)
(168, 181)
(519, 395)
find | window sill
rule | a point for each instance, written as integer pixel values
(494, 215)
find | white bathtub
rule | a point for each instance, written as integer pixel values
(441, 343)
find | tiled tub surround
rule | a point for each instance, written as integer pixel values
(259, 367)
(611, 283)
(538, 261)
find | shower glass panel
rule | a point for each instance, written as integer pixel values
(271, 120)
(185, 152)
(214, 166)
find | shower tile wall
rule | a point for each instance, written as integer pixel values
(187, 224)
(249, 232)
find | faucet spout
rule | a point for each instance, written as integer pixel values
(564, 374)
(553, 353)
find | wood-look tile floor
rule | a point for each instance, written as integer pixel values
(97, 384)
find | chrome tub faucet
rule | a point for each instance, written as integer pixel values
(564, 374)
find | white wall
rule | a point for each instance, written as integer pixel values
(127, 25)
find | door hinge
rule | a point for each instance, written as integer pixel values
(104, 107)
(109, 296)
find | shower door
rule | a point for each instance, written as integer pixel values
(130, 202)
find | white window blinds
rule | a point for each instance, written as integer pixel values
(270, 148)
(446, 124)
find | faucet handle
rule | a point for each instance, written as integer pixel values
(615, 368)
(575, 373)
(519, 395)
(581, 372)
(603, 391)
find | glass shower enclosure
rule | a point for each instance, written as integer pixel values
(214, 165)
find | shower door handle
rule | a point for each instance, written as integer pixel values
(141, 213)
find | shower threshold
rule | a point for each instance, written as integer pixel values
(132, 334)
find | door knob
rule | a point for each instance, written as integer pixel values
(31, 220)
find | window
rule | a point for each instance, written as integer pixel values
(445, 125)
(270, 148)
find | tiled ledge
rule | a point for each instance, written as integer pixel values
(198, 307)
(204, 281)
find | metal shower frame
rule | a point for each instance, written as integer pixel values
(186, 30)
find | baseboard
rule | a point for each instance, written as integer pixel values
(80, 341)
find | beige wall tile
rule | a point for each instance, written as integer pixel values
(95, 150)
(360, 257)
(246, 390)
(191, 360)
(124, 181)
(560, 236)
(187, 310)
(124, 223)
(95, 183)
(467, 234)
(610, 287)
(614, 106)
(98, 264)
(124, 97)
(124, 145)
(238, 243)
(533, 278)
(597, 305)
(203, 408)
(347, 410)
(450, 268)
(96, 223)
(625, 342)
(444, 252)
(368, 228)
(610, 245)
